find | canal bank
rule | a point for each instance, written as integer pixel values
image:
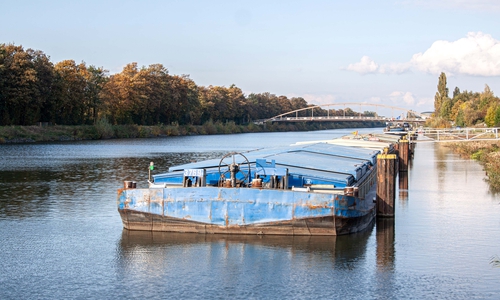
(103, 130)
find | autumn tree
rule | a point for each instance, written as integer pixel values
(19, 94)
(33, 89)
(185, 99)
(119, 96)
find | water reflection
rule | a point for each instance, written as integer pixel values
(385, 259)
(385, 244)
(441, 165)
(403, 188)
(28, 190)
(147, 250)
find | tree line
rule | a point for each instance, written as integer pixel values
(33, 89)
(465, 108)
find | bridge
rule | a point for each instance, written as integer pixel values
(293, 116)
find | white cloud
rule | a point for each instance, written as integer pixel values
(365, 66)
(478, 54)
(408, 98)
(399, 98)
(394, 68)
(480, 5)
(318, 99)
(426, 102)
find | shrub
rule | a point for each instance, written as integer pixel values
(104, 129)
(209, 127)
(126, 131)
(492, 168)
(172, 130)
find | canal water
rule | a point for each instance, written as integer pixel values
(61, 235)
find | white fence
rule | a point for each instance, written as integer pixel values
(458, 134)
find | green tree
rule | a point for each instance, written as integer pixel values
(298, 103)
(152, 98)
(460, 119)
(446, 109)
(71, 86)
(4, 114)
(96, 79)
(45, 73)
(441, 95)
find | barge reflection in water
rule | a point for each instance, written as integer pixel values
(147, 247)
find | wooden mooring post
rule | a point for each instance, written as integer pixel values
(386, 183)
(412, 137)
(404, 154)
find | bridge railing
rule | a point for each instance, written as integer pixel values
(335, 119)
(459, 134)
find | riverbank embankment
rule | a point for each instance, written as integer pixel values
(104, 130)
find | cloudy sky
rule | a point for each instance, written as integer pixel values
(380, 52)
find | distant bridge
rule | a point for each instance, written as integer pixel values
(293, 116)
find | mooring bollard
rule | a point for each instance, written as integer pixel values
(386, 184)
(129, 184)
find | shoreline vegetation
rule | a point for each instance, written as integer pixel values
(104, 130)
(487, 153)
(470, 109)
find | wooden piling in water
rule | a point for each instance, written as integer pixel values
(386, 184)
(404, 154)
(412, 138)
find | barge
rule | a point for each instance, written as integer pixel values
(303, 189)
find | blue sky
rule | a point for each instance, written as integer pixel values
(381, 52)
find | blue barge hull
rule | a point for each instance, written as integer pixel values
(334, 200)
(243, 211)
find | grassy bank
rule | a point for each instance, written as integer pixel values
(487, 153)
(104, 130)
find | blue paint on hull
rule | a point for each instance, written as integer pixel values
(307, 190)
(243, 208)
